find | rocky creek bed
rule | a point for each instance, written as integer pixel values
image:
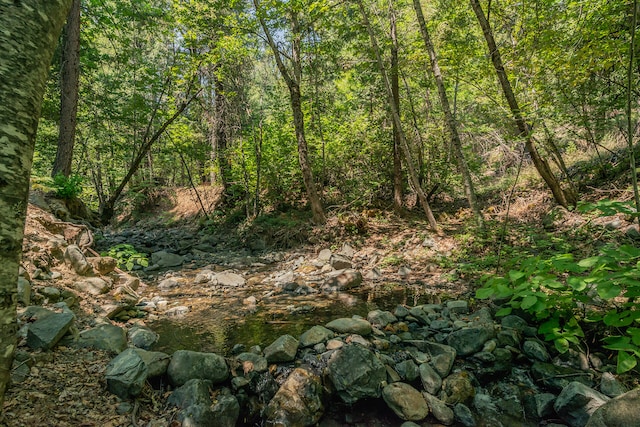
(293, 339)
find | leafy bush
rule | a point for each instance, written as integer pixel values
(127, 256)
(67, 187)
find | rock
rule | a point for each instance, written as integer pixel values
(324, 255)
(535, 351)
(45, 332)
(298, 402)
(204, 276)
(458, 306)
(340, 262)
(50, 293)
(469, 340)
(622, 411)
(92, 285)
(401, 311)
(558, 377)
(167, 284)
(24, 291)
(164, 259)
(229, 279)
(350, 326)
(252, 362)
(283, 349)
(126, 374)
(193, 392)
(200, 415)
(463, 415)
(610, 386)
(343, 280)
(142, 337)
(405, 401)
(178, 311)
(74, 257)
(186, 365)
(334, 344)
(439, 409)
(431, 381)
(226, 409)
(441, 357)
(576, 402)
(408, 370)
(103, 337)
(103, 265)
(355, 373)
(156, 361)
(457, 387)
(315, 335)
(542, 405)
(381, 318)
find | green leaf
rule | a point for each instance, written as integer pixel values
(129, 265)
(561, 344)
(528, 301)
(515, 275)
(590, 262)
(608, 290)
(626, 362)
(484, 293)
(504, 311)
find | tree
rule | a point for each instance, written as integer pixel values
(30, 31)
(395, 90)
(69, 78)
(293, 78)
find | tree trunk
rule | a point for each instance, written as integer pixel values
(293, 79)
(220, 136)
(395, 90)
(69, 77)
(566, 198)
(422, 197)
(449, 117)
(30, 31)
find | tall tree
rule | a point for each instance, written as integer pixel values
(293, 78)
(422, 197)
(395, 90)
(449, 117)
(563, 197)
(30, 31)
(69, 78)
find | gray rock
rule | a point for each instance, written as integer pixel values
(167, 284)
(401, 311)
(229, 279)
(458, 306)
(463, 415)
(199, 415)
(469, 340)
(343, 280)
(408, 370)
(92, 285)
(558, 377)
(156, 361)
(610, 386)
(164, 259)
(485, 406)
(316, 335)
(142, 337)
(252, 362)
(535, 351)
(103, 265)
(543, 405)
(178, 311)
(340, 262)
(193, 392)
(324, 255)
(381, 318)
(298, 402)
(283, 349)
(519, 324)
(45, 332)
(126, 374)
(104, 337)
(405, 401)
(24, 291)
(576, 402)
(355, 373)
(431, 381)
(623, 411)
(439, 409)
(350, 326)
(51, 293)
(226, 409)
(186, 365)
(74, 257)
(457, 387)
(441, 357)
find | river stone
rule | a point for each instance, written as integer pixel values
(610, 386)
(199, 415)
(298, 402)
(186, 365)
(439, 409)
(356, 373)
(558, 377)
(340, 262)
(316, 335)
(126, 374)
(343, 280)
(104, 337)
(458, 306)
(457, 387)
(463, 415)
(45, 332)
(576, 402)
(24, 291)
(50, 293)
(431, 381)
(156, 361)
(541, 404)
(401, 311)
(441, 357)
(142, 337)
(535, 351)
(229, 279)
(324, 255)
(348, 325)
(405, 401)
(193, 392)
(381, 318)
(252, 362)
(226, 409)
(103, 265)
(74, 257)
(622, 411)
(469, 340)
(283, 349)
(408, 370)
(92, 285)
(164, 259)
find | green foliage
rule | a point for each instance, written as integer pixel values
(127, 256)
(67, 187)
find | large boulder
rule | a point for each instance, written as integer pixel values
(107, 337)
(45, 332)
(156, 361)
(622, 411)
(126, 374)
(342, 280)
(164, 259)
(229, 279)
(405, 401)
(74, 257)
(576, 402)
(193, 392)
(467, 341)
(348, 325)
(186, 365)
(298, 402)
(316, 335)
(92, 285)
(356, 373)
(283, 349)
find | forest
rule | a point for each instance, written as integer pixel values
(474, 156)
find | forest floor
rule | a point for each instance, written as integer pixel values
(66, 386)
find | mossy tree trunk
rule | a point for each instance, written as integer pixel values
(29, 31)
